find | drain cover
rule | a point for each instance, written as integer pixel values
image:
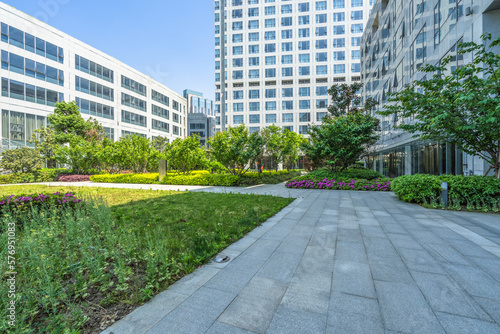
(222, 259)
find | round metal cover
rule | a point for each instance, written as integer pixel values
(222, 259)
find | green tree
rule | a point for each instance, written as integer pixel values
(82, 155)
(291, 150)
(186, 154)
(273, 137)
(67, 122)
(46, 144)
(231, 149)
(22, 159)
(256, 147)
(340, 141)
(461, 106)
(346, 99)
(134, 152)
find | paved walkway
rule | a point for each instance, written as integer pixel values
(340, 262)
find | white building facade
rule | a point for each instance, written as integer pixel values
(282, 56)
(401, 36)
(41, 66)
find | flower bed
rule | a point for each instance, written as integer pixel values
(73, 178)
(57, 198)
(373, 185)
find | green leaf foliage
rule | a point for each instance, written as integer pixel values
(22, 159)
(185, 155)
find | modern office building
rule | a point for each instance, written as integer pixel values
(41, 65)
(201, 116)
(281, 57)
(399, 38)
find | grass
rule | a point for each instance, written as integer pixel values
(80, 270)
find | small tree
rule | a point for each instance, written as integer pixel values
(340, 141)
(231, 149)
(134, 152)
(346, 99)
(22, 159)
(292, 143)
(273, 137)
(80, 154)
(45, 143)
(256, 147)
(461, 107)
(185, 155)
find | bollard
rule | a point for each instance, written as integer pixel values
(444, 194)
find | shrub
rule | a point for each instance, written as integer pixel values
(200, 179)
(21, 160)
(332, 184)
(267, 177)
(347, 175)
(42, 175)
(462, 190)
(73, 178)
(126, 178)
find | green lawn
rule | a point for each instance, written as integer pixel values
(80, 270)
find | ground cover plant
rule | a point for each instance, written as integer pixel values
(84, 267)
(472, 193)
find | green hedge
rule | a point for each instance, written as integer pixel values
(42, 175)
(463, 190)
(353, 173)
(225, 180)
(253, 178)
(126, 178)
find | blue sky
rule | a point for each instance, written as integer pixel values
(169, 40)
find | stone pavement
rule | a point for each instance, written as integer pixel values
(340, 262)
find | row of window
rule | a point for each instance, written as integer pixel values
(272, 118)
(95, 109)
(158, 97)
(90, 87)
(289, 71)
(92, 68)
(302, 7)
(30, 68)
(286, 105)
(31, 43)
(302, 58)
(271, 10)
(356, 15)
(19, 127)
(140, 120)
(285, 92)
(133, 86)
(134, 102)
(18, 90)
(161, 112)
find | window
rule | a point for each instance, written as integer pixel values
(160, 97)
(131, 118)
(357, 15)
(304, 32)
(357, 28)
(270, 72)
(339, 68)
(252, 49)
(238, 95)
(271, 118)
(304, 104)
(355, 41)
(321, 56)
(270, 93)
(287, 105)
(237, 50)
(304, 91)
(339, 55)
(253, 61)
(237, 13)
(321, 91)
(304, 70)
(355, 68)
(253, 74)
(286, 9)
(286, 34)
(338, 4)
(339, 29)
(161, 112)
(253, 94)
(270, 35)
(237, 107)
(321, 18)
(287, 92)
(303, 129)
(270, 48)
(270, 105)
(305, 116)
(355, 54)
(356, 3)
(321, 5)
(133, 86)
(304, 58)
(237, 75)
(321, 31)
(288, 46)
(160, 126)
(237, 38)
(254, 106)
(253, 37)
(304, 45)
(303, 19)
(253, 12)
(304, 7)
(286, 21)
(253, 119)
(271, 60)
(237, 25)
(270, 10)
(94, 69)
(339, 17)
(270, 23)
(287, 117)
(320, 116)
(253, 24)
(321, 104)
(238, 62)
(237, 119)
(321, 44)
(287, 72)
(321, 69)
(237, 2)
(132, 101)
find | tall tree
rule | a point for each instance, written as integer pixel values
(46, 144)
(461, 106)
(186, 154)
(292, 142)
(346, 99)
(273, 137)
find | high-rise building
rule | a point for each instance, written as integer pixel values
(41, 66)
(399, 38)
(281, 57)
(201, 116)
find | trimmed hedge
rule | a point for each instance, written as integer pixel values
(463, 190)
(42, 175)
(267, 177)
(364, 185)
(225, 180)
(353, 173)
(126, 178)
